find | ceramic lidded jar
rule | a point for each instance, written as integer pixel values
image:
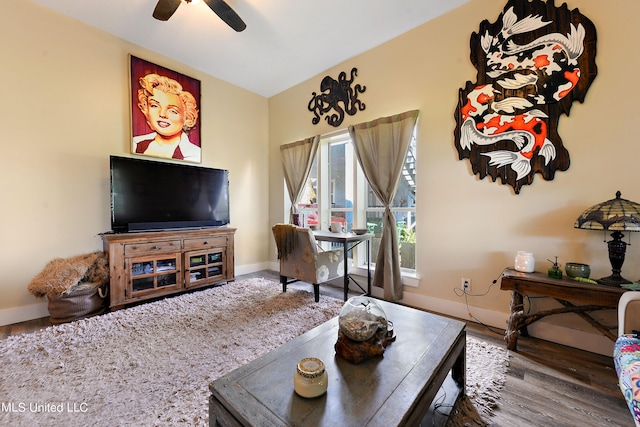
(310, 379)
(361, 318)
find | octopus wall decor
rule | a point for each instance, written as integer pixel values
(532, 63)
(337, 95)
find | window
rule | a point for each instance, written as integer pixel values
(337, 191)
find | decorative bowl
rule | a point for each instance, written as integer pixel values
(575, 269)
(361, 318)
(360, 230)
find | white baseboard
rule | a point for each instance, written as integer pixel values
(252, 268)
(10, 316)
(595, 343)
(583, 340)
(274, 266)
(456, 309)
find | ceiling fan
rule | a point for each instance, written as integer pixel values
(165, 8)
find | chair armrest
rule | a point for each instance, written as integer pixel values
(333, 256)
(626, 358)
(330, 264)
(629, 312)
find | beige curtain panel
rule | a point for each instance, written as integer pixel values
(297, 159)
(381, 148)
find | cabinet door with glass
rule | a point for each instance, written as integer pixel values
(153, 274)
(205, 267)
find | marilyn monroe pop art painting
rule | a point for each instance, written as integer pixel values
(164, 113)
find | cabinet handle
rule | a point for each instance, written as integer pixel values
(155, 248)
(206, 242)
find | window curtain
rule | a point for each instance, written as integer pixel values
(297, 159)
(381, 148)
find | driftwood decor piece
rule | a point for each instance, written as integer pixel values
(332, 94)
(533, 62)
(358, 351)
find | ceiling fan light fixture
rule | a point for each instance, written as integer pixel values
(166, 8)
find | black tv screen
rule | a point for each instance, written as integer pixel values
(154, 195)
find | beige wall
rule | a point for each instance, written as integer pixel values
(64, 110)
(473, 228)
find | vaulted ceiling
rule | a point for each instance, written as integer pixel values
(285, 43)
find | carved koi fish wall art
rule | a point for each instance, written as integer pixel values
(533, 62)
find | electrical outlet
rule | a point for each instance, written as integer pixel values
(466, 284)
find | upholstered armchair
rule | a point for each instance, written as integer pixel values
(302, 259)
(626, 351)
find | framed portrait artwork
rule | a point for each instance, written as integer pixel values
(165, 112)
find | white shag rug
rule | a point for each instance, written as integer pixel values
(151, 365)
(486, 374)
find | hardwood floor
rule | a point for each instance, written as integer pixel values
(24, 327)
(547, 384)
(553, 385)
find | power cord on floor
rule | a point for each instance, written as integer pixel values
(438, 405)
(463, 293)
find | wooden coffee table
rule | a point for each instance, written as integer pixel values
(396, 389)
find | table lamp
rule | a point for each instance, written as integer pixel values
(616, 215)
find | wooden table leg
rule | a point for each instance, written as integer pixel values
(369, 267)
(346, 272)
(458, 372)
(513, 324)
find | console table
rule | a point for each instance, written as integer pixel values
(568, 292)
(157, 263)
(349, 241)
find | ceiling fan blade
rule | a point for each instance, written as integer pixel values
(228, 15)
(165, 8)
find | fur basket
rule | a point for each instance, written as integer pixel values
(83, 300)
(60, 275)
(75, 286)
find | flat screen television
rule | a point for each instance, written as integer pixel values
(155, 195)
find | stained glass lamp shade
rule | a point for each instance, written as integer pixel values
(615, 215)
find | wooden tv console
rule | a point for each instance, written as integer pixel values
(151, 264)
